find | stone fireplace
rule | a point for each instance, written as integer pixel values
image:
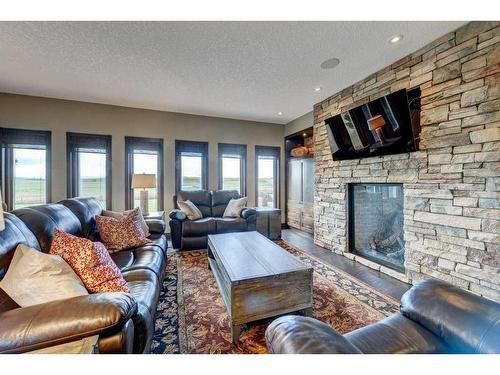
(376, 223)
(450, 186)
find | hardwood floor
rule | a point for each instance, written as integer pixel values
(376, 279)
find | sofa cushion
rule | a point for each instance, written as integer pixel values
(121, 214)
(91, 262)
(229, 224)
(396, 334)
(201, 198)
(466, 322)
(201, 227)
(220, 199)
(159, 240)
(14, 233)
(190, 210)
(146, 257)
(123, 259)
(42, 220)
(85, 209)
(234, 207)
(122, 233)
(34, 277)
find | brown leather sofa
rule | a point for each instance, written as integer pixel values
(435, 317)
(193, 234)
(123, 321)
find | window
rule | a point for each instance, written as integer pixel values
(267, 160)
(232, 167)
(89, 166)
(191, 165)
(25, 161)
(144, 155)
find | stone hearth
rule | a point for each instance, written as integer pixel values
(451, 185)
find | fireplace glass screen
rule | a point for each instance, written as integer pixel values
(376, 223)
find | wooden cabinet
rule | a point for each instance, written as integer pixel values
(300, 199)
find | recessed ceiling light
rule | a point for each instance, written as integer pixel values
(304, 134)
(280, 113)
(395, 39)
(317, 89)
(330, 63)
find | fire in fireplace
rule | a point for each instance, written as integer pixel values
(376, 223)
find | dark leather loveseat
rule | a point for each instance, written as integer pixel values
(435, 317)
(193, 234)
(123, 321)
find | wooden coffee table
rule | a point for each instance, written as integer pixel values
(257, 278)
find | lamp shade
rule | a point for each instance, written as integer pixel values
(143, 181)
(376, 122)
(2, 222)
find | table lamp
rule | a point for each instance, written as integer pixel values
(377, 123)
(143, 181)
(2, 222)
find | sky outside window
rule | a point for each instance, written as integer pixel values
(231, 173)
(191, 172)
(92, 175)
(29, 177)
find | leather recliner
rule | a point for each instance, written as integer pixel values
(193, 234)
(435, 317)
(123, 321)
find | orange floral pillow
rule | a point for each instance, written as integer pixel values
(90, 261)
(121, 233)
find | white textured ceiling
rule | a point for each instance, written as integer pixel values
(242, 70)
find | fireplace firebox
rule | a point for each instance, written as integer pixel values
(376, 223)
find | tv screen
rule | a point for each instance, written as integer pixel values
(381, 127)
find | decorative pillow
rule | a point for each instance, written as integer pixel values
(122, 233)
(119, 215)
(34, 278)
(189, 208)
(91, 262)
(234, 207)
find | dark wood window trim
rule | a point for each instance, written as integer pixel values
(191, 146)
(274, 151)
(143, 144)
(10, 137)
(91, 141)
(241, 151)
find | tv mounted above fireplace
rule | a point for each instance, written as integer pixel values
(381, 127)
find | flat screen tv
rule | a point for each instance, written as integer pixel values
(381, 127)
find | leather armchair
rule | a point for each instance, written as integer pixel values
(435, 317)
(193, 234)
(63, 321)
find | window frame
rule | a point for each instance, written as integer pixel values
(21, 137)
(146, 144)
(182, 146)
(85, 140)
(241, 151)
(273, 151)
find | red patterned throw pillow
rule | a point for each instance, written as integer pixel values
(90, 261)
(121, 233)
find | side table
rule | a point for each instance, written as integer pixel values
(269, 222)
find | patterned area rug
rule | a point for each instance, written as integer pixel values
(192, 318)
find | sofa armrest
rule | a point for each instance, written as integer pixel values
(156, 226)
(177, 215)
(247, 212)
(58, 322)
(302, 335)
